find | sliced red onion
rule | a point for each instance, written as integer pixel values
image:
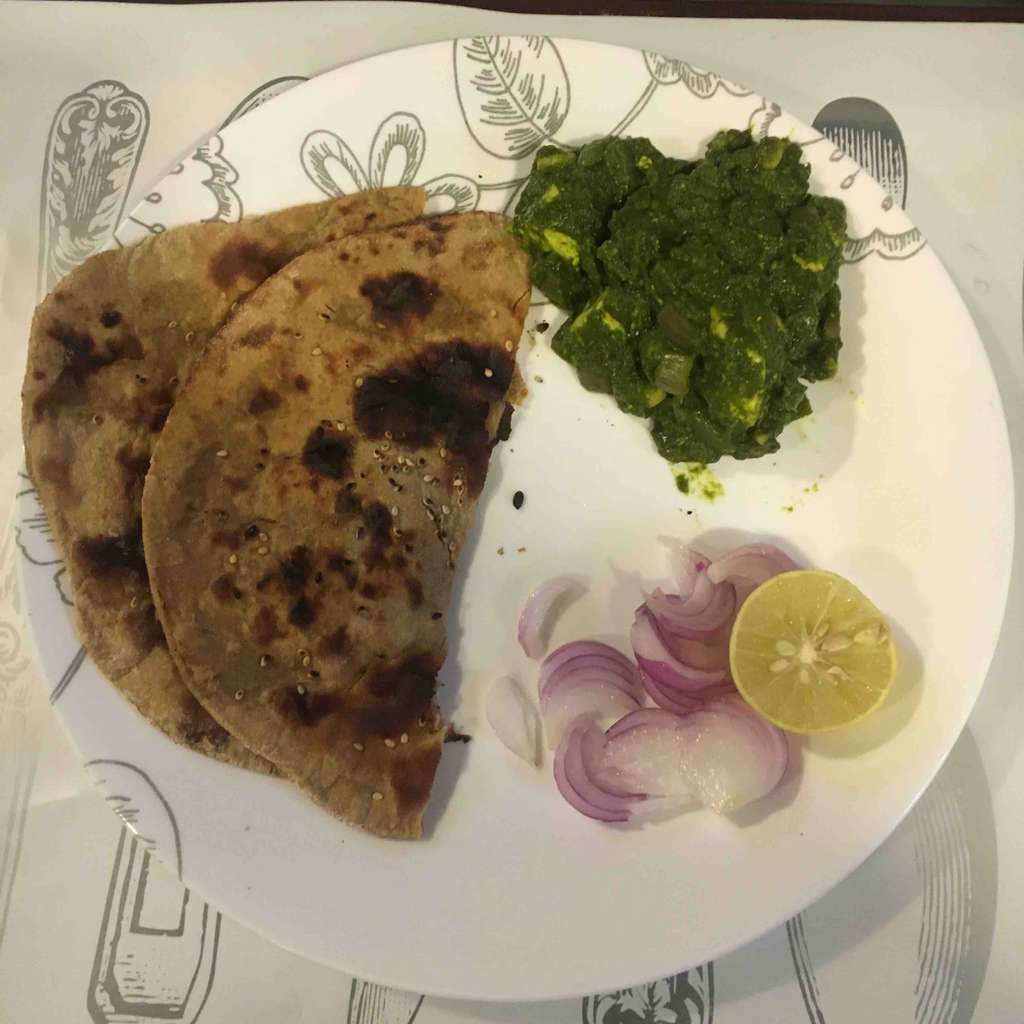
(651, 757)
(579, 648)
(653, 718)
(682, 703)
(588, 667)
(514, 719)
(735, 704)
(588, 658)
(602, 802)
(734, 757)
(658, 662)
(724, 755)
(672, 700)
(751, 563)
(534, 620)
(675, 619)
(712, 654)
(598, 701)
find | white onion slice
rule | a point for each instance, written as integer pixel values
(734, 758)
(751, 563)
(687, 565)
(652, 758)
(514, 719)
(535, 618)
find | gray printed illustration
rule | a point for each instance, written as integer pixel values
(687, 998)
(34, 538)
(262, 94)
(206, 178)
(394, 158)
(377, 1004)
(804, 968)
(942, 863)
(157, 949)
(866, 132)
(513, 90)
(93, 150)
(18, 753)
(668, 71)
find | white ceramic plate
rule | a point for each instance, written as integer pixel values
(901, 480)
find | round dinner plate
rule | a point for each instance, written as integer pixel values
(900, 480)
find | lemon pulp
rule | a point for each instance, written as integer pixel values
(811, 653)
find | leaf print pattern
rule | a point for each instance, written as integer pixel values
(451, 193)
(262, 93)
(401, 135)
(323, 156)
(92, 152)
(899, 246)
(687, 998)
(223, 177)
(33, 537)
(513, 91)
(396, 153)
(703, 84)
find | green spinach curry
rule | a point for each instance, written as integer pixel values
(703, 295)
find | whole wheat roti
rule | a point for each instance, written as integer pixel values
(311, 491)
(108, 351)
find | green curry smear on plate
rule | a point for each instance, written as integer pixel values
(703, 295)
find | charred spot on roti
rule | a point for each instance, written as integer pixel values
(337, 642)
(438, 397)
(504, 431)
(401, 694)
(110, 318)
(237, 484)
(301, 383)
(327, 452)
(303, 613)
(226, 538)
(223, 588)
(296, 569)
(413, 785)
(134, 466)
(347, 503)
(399, 296)
(371, 591)
(112, 557)
(257, 337)
(345, 567)
(144, 629)
(378, 520)
(153, 409)
(55, 470)
(197, 729)
(244, 259)
(308, 708)
(265, 626)
(81, 359)
(414, 589)
(263, 400)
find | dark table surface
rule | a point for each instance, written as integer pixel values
(877, 10)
